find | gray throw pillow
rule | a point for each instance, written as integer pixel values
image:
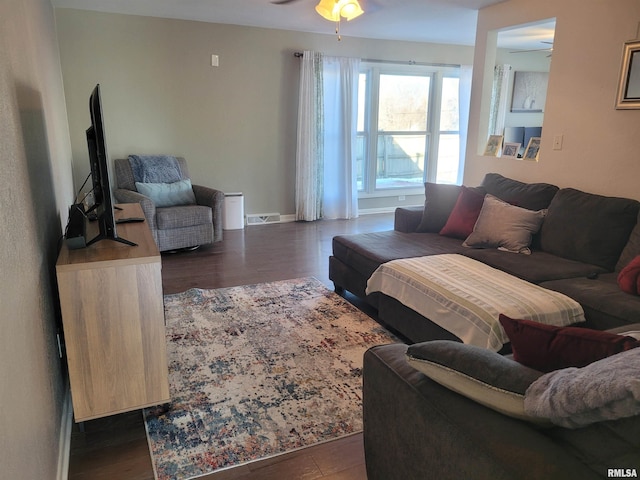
(504, 226)
(477, 373)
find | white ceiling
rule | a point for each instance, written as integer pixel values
(438, 21)
(441, 21)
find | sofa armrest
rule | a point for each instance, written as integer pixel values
(414, 425)
(214, 199)
(407, 219)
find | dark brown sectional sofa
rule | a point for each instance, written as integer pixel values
(584, 241)
(416, 428)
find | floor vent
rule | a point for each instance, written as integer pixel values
(263, 218)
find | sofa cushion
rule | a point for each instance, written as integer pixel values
(364, 252)
(608, 389)
(605, 305)
(547, 347)
(183, 216)
(439, 202)
(477, 373)
(464, 214)
(535, 268)
(532, 196)
(504, 226)
(589, 228)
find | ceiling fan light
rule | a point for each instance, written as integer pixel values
(327, 9)
(350, 9)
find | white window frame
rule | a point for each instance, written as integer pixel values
(373, 71)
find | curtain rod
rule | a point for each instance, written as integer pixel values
(398, 62)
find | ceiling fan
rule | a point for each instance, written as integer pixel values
(332, 10)
(546, 49)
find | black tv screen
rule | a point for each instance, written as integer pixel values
(103, 200)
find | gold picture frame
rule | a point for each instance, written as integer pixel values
(629, 85)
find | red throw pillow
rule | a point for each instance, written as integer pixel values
(547, 347)
(464, 214)
(629, 277)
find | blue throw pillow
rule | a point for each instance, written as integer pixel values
(168, 194)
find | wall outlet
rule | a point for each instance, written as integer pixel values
(401, 198)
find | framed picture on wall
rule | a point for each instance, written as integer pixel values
(629, 86)
(533, 149)
(529, 92)
(493, 146)
(510, 149)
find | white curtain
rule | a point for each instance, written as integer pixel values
(499, 99)
(464, 104)
(325, 159)
(340, 94)
(309, 154)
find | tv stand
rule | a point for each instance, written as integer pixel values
(113, 239)
(113, 319)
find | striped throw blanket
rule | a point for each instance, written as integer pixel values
(466, 297)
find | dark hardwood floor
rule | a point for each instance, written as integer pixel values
(115, 448)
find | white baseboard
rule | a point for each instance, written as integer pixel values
(64, 444)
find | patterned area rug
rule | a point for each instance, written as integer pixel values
(257, 371)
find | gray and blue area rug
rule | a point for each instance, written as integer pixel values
(256, 371)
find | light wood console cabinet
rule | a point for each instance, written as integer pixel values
(113, 319)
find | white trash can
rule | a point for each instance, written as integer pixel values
(233, 211)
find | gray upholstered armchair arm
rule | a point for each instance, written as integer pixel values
(212, 198)
(148, 207)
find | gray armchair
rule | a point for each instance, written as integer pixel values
(174, 227)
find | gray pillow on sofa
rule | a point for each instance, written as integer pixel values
(504, 226)
(477, 373)
(588, 228)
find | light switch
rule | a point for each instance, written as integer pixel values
(215, 61)
(557, 142)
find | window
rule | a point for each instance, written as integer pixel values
(408, 128)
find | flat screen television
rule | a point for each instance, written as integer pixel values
(103, 206)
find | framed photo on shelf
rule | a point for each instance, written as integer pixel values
(510, 150)
(493, 146)
(533, 149)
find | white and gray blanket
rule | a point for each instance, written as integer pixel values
(574, 397)
(466, 297)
